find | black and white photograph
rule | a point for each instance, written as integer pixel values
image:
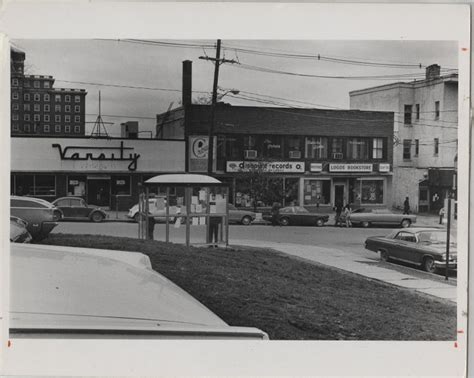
(235, 190)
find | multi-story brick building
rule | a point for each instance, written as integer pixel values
(313, 157)
(425, 133)
(37, 108)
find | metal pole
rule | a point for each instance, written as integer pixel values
(147, 211)
(448, 237)
(227, 217)
(208, 218)
(167, 214)
(210, 152)
(188, 211)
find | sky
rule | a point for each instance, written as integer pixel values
(266, 73)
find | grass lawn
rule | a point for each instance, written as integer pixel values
(288, 298)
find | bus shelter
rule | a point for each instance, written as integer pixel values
(195, 200)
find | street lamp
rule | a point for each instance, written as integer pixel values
(233, 91)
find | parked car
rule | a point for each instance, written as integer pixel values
(244, 217)
(299, 216)
(18, 230)
(67, 292)
(157, 208)
(367, 217)
(76, 208)
(38, 213)
(425, 247)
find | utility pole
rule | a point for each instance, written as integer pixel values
(217, 62)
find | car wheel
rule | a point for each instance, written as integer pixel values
(365, 224)
(97, 217)
(284, 221)
(319, 222)
(136, 217)
(383, 255)
(406, 223)
(246, 220)
(429, 265)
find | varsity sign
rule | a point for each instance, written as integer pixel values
(266, 166)
(350, 167)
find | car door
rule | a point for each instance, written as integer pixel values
(65, 206)
(234, 214)
(405, 246)
(78, 208)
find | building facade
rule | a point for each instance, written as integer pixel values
(37, 108)
(425, 135)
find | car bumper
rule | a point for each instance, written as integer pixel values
(442, 264)
(47, 227)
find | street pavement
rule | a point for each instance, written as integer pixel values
(331, 246)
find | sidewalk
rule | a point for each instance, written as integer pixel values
(359, 265)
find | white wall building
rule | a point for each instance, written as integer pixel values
(425, 135)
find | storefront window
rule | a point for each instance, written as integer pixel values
(371, 191)
(258, 191)
(317, 192)
(35, 185)
(272, 147)
(291, 191)
(357, 149)
(121, 185)
(316, 148)
(76, 186)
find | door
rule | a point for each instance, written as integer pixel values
(98, 192)
(339, 192)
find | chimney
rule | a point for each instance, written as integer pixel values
(187, 82)
(433, 71)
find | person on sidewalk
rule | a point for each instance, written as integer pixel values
(214, 230)
(441, 215)
(406, 206)
(275, 213)
(347, 215)
(337, 218)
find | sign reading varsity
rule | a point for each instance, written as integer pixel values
(350, 167)
(266, 166)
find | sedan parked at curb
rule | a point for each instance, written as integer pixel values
(367, 217)
(66, 292)
(38, 213)
(76, 208)
(240, 216)
(299, 216)
(156, 207)
(18, 230)
(425, 247)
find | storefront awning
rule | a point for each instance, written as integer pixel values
(183, 179)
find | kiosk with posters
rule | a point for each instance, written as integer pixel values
(200, 200)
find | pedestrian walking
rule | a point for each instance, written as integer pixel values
(151, 226)
(275, 213)
(337, 218)
(347, 215)
(441, 215)
(214, 230)
(406, 206)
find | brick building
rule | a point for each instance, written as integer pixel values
(37, 108)
(313, 157)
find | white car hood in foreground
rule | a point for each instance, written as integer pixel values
(73, 289)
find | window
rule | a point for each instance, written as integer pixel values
(357, 148)
(417, 109)
(46, 117)
(16, 127)
(371, 191)
(36, 84)
(67, 118)
(406, 149)
(15, 95)
(47, 84)
(46, 108)
(26, 83)
(417, 147)
(120, 185)
(67, 108)
(46, 128)
(57, 108)
(77, 108)
(67, 129)
(317, 191)
(77, 118)
(377, 148)
(407, 118)
(77, 129)
(77, 98)
(14, 82)
(15, 116)
(57, 118)
(76, 185)
(250, 142)
(68, 98)
(37, 97)
(57, 128)
(26, 107)
(27, 127)
(44, 185)
(436, 146)
(26, 97)
(316, 147)
(36, 118)
(46, 97)
(36, 107)
(15, 106)
(436, 109)
(57, 98)
(293, 147)
(406, 236)
(272, 146)
(26, 117)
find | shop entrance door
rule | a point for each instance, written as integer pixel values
(339, 194)
(98, 192)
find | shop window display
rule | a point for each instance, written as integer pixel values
(317, 192)
(371, 192)
(76, 186)
(35, 185)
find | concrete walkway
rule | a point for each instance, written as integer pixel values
(359, 265)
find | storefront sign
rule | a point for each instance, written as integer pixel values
(120, 182)
(350, 167)
(316, 167)
(266, 166)
(198, 150)
(73, 182)
(384, 167)
(79, 155)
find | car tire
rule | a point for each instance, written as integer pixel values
(97, 217)
(284, 222)
(365, 224)
(319, 222)
(429, 265)
(136, 217)
(383, 255)
(405, 223)
(246, 220)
